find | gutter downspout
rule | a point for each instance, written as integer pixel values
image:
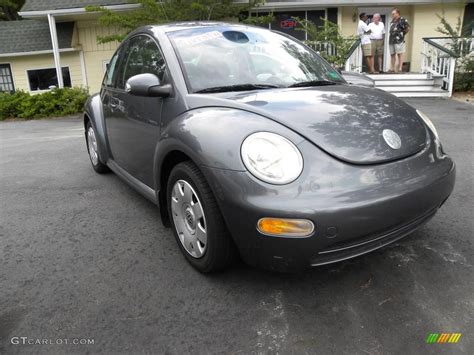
(57, 58)
(85, 84)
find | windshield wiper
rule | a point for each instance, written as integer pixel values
(312, 83)
(238, 87)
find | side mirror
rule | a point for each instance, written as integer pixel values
(147, 85)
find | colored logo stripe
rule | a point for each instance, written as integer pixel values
(442, 338)
(432, 338)
(454, 338)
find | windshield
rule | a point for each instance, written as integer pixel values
(236, 58)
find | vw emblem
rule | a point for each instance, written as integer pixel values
(392, 139)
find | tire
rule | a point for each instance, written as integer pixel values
(189, 193)
(93, 150)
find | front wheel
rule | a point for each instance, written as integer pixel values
(93, 150)
(196, 220)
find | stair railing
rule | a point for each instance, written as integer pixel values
(354, 58)
(439, 55)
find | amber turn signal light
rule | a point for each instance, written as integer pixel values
(284, 227)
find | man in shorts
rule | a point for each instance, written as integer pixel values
(399, 27)
(364, 34)
(377, 35)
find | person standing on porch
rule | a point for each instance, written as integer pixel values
(377, 36)
(399, 27)
(364, 34)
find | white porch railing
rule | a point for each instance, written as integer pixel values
(354, 56)
(438, 61)
(439, 56)
(326, 47)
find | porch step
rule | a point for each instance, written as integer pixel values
(393, 82)
(410, 84)
(432, 93)
(404, 76)
(415, 88)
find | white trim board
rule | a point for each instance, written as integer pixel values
(46, 51)
(334, 3)
(74, 11)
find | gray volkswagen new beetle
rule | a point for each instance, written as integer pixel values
(251, 144)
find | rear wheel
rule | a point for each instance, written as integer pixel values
(196, 220)
(93, 150)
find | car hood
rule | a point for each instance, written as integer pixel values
(345, 121)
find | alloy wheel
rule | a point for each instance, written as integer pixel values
(92, 145)
(189, 218)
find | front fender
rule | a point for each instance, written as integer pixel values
(212, 137)
(93, 110)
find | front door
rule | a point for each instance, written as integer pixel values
(133, 122)
(385, 15)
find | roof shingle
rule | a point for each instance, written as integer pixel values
(32, 36)
(42, 5)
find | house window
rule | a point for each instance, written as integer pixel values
(44, 79)
(316, 16)
(286, 21)
(6, 78)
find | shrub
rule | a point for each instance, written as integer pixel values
(461, 46)
(10, 104)
(464, 76)
(57, 102)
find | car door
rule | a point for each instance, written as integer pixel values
(133, 124)
(108, 94)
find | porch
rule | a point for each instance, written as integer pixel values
(439, 56)
(428, 69)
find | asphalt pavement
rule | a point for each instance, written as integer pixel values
(85, 259)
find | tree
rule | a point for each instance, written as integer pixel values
(459, 45)
(9, 9)
(158, 12)
(327, 40)
(462, 48)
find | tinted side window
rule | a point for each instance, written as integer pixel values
(142, 56)
(111, 73)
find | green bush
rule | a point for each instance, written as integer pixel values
(461, 46)
(464, 76)
(57, 102)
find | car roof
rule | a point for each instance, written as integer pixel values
(178, 26)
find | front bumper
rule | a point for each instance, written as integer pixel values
(355, 208)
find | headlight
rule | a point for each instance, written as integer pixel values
(272, 158)
(428, 122)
